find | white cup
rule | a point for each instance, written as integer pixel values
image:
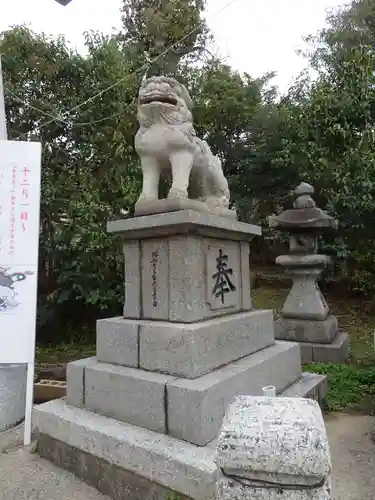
(269, 391)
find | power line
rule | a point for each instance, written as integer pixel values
(142, 68)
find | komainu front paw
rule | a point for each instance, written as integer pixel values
(177, 193)
(145, 197)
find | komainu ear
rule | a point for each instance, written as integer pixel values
(186, 96)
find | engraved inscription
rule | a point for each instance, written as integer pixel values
(223, 277)
(154, 262)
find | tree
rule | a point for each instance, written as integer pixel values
(89, 168)
(330, 133)
(151, 27)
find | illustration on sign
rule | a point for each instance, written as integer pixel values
(8, 293)
(223, 282)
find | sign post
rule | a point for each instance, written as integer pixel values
(20, 172)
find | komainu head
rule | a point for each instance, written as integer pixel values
(161, 97)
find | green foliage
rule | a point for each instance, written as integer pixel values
(329, 137)
(348, 385)
(173, 496)
(89, 170)
(321, 132)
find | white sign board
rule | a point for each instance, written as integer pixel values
(20, 172)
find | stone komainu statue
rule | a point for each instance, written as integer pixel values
(166, 139)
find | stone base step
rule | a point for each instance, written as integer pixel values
(122, 460)
(310, 385)
(336, 353)
(188, 409)
(180, 349)
(125, 461)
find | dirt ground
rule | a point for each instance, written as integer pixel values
(353, 455)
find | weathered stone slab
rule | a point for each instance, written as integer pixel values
(183, 222)
(187, 279)
(228, 489)
(205, 278)
(75, 378)
(148, 207)
(292, 428)
(196, 407)
(300, 330)
(268, 443)
(175, 465)
(128, 394)
(192, 350)
(117, 341)
(116, 483)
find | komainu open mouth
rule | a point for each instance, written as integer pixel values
(155, 98)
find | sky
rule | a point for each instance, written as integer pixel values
(253, 36)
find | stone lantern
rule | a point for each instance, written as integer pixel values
(306, 317)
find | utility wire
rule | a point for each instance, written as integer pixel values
(62, 118)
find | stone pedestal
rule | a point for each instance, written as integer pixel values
(151, 403)
(305, 317)
(12, 395)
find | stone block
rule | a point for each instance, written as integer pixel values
(196, 282)
(132, 264)
(192, 350)
(183, 222)
(196, 407)
(305, 299)
(336, 353)
(75, 378)
(281, 441)
(309, 385)
(185, 266)
(245, 276)
(228, 489)
(117, 341)
(110, 480)
(301, 330)
(187, 469)
(307, 356)
(187, 279)
(287, 433)
(127, 394)
(150, 207)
